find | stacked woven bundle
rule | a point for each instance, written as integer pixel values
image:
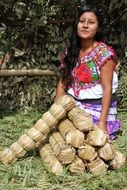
(67, 137)
(39, 132)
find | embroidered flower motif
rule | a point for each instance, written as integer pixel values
(83, 73)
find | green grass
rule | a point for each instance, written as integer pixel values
(29, 173)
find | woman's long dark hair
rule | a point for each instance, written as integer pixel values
(71, 56)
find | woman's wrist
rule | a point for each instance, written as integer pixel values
(102, 125)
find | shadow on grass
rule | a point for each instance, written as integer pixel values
(6, 112)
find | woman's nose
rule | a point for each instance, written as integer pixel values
(85, 24)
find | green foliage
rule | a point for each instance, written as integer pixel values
(25, 93)
(35, 32)
(38, 28)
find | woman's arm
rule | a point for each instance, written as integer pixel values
(106, 81)
(60, 90)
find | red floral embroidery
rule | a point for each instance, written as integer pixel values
(83, 73)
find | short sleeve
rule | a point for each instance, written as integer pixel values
(104, 54)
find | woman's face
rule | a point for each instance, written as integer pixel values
(87, 26)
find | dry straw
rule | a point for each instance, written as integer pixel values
(77, 166)
(64, 153)
(81, 119)
(50, 160)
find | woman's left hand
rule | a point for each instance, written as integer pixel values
(102, 126)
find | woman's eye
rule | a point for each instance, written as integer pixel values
(91, 22)
(81, 21)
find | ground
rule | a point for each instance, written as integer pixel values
(29, 173)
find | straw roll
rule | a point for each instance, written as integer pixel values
(57, 111)
(97, 167)
(49, 119)
(77, 166)
(82, 120)
(26, 142)
(35, 134)
(50, 160)
(107, 152)
(64, 153)
(75, 138)
(96, 137)
(18, 151)
(65, 126)
(7, 156)
(87, 153)
(67, 102)
(42, 126)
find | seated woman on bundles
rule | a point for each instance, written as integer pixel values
(88, 70)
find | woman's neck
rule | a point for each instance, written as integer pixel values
(87, 44)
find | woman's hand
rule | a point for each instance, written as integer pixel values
(102, 126)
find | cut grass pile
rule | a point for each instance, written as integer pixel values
(29, 173)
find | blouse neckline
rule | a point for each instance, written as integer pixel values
(83, 53)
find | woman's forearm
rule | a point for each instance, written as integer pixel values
(106, 82)
(60, 90)
(106, 100)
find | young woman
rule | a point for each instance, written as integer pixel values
(88, 70)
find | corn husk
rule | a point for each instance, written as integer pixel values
(49, 119)
(87, 153)
(97, 167)
(7, 156)
(42, 126)
(18, 151)
(35, 134)
(64, 153)
(107, 152)
(77, 166)
(65, 126)
(50, 160)
(82, 120)
(26, 142)
(96, 137)
(75, 138)
(67, 102)
(118, 161)
(57, 111)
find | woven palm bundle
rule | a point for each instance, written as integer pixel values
(72, 136)
(49, 119)
(17, 150)
(82, 120)
(67, 137)
(7, 156)
(118, 161)
(49, 159)
(65, 126)
(97, 166)
(42, 126)
(96, 137)
(67, 102)
(40, 131)
(77, 166)
(64, 153)
(35, 134)
(26, 142)
(87, 153)
(75, 138)
(57, 111)
(107, 152)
